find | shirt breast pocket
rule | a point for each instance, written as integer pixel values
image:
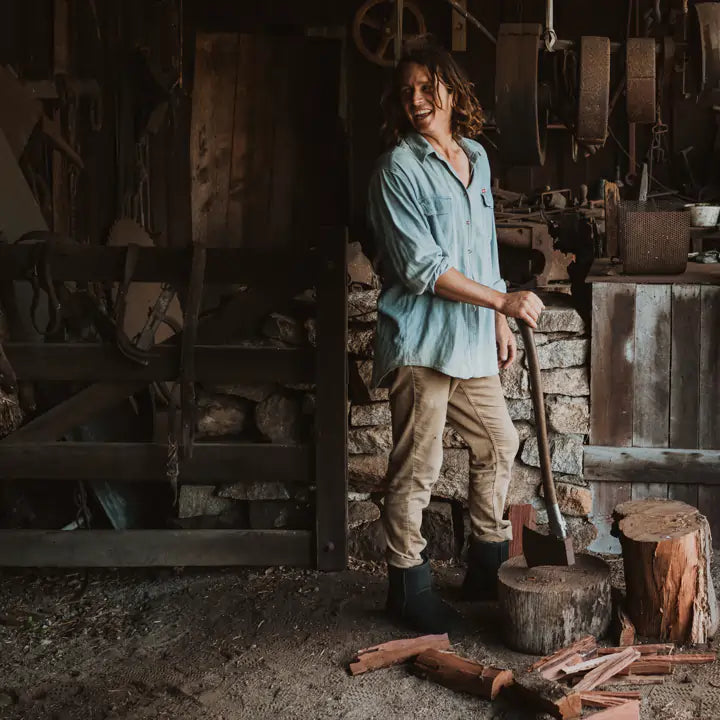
(487, 215)
(438, 212)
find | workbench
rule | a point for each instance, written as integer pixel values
(654, 390)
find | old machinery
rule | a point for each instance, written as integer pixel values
(640, 65)
(705, 55)
(594, 91)
(521, 107)
(375, 28)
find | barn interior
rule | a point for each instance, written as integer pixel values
(193, 456)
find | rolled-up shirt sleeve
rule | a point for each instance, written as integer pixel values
(403, 234)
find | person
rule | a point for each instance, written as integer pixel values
(442, 333)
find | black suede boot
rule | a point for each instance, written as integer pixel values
(411, 600)
(483, 560)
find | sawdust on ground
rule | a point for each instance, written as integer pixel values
(246, 643)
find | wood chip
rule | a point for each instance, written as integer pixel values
(657, 649)
(549, 666)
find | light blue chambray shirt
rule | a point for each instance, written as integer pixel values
(425, 222)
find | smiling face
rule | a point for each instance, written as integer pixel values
(427, 107)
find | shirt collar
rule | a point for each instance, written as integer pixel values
(422, 148)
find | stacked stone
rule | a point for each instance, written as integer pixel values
(268, 412)
(563, 349)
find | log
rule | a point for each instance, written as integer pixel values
(396, 651)
(458, 673)
(548, 607)
(547, 696)
(666, 549)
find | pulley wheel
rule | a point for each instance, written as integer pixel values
(520, 112)
(705, 51)
(640, 65)
(374, 29)
(594, 92)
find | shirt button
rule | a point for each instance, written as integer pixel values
(467, 222)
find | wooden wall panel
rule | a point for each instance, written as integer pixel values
(710, 368)
(685, 367)
(685, 493)
(613, 353)
(651, 398)
(211, 135)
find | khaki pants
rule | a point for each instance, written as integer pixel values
(421, 400)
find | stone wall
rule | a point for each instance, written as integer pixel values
(563, 350)
(283, 414)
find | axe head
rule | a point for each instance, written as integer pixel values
(542, 549)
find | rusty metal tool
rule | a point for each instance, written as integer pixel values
(557, 547)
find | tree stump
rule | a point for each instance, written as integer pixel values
(549, 606)
(666, 549)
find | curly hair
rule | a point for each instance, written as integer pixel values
(467, 115)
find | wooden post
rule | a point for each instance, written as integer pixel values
(331, 404)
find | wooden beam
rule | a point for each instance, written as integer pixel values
(331, 406)
(86, 263)
(651, 465)
(139, 462)
(156, 548)
(87, 362)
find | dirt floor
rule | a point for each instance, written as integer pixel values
(245, 643)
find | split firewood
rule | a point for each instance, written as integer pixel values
(602, 673)
(595, 698)
(644, 666)
(629, 710)
(657, 649)
(548, 696)
(550, 666)
(635, 680)
(520, 515)
(458, 673)
(622, 628)
(396, 651)
(572, 669)
(681, 659)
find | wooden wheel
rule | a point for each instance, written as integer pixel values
(374, 29)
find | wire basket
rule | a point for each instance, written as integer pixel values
(653, 240)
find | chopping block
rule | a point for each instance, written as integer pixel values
(548, 607)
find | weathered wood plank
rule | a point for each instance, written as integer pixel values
(685, 366)
(86, 263)
(240, 182)
(710, 368)
(685, 493)
(211, 134)
(649, 490)
(331, 407)
(709, 505)
(606, 495)
(657, 465)
(140, 462)
(156, 548)
(611, 370)
(85, 362)
(651, 376)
